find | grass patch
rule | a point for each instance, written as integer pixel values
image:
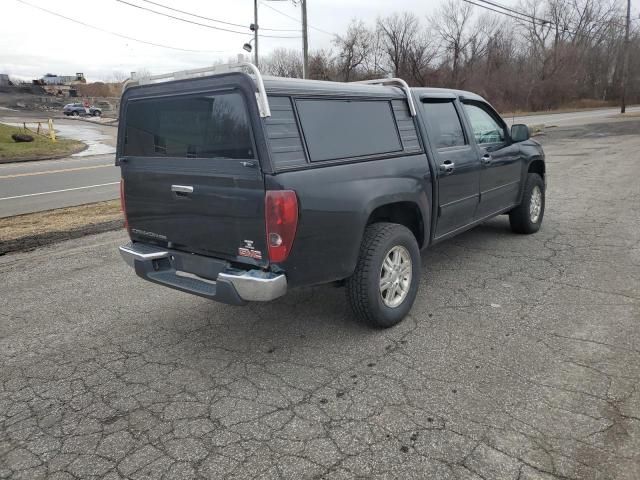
(40, 148)
(23, 232)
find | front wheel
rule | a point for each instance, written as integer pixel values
(384, 285)
(527, 217)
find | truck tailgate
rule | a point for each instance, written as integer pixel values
(191, 176)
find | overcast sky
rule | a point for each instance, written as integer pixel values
(33, 42)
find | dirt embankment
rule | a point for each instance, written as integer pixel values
(25, 232)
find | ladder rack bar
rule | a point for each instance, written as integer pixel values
(398, 82)
(261, 94)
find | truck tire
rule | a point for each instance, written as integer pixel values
(527, 217)
(388, 251)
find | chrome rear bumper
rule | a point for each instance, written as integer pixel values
(222, 283)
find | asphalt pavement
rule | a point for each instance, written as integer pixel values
(520, 359)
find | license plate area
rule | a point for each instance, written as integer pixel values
(199, 265)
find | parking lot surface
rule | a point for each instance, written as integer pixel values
(520, 359)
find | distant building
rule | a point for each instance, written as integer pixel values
(4, 80)
(51, 79)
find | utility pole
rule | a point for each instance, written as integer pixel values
(255, 31)
(305, 40)
(625, 59)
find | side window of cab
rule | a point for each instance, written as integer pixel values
(486, 128)
(444, 123)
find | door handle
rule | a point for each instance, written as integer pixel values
(486, 159)
(182, 188)
(447, 166)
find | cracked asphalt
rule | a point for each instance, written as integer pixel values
(520, 360)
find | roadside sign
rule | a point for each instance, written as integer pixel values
(86, 106)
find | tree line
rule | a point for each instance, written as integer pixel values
(559, 53)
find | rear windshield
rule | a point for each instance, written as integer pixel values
(202, 126)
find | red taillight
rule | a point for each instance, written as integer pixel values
(281, 213)
(123, 205)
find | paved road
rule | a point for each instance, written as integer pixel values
(37, 189)
(583, 117)
(520, 360)
(89, 176)
(35, 186)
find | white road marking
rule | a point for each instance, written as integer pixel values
(59, 191)
(47, 172)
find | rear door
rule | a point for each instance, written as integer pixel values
(191, 169)
(458, 167)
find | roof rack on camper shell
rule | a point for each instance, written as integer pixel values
(396, 82)
(261, 94)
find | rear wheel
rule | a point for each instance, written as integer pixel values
(384, 285)
(76, 113)
(527, 217)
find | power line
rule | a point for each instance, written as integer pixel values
(524, 17)
(116, 34)
(198, 23)
(508, 9)
(214, 19)
(295, 19)
(527, 19)
(534, 19)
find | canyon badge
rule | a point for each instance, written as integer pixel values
(249, 251)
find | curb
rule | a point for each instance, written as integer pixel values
(113, 123)
(32, 242)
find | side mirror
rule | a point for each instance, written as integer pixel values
(519, 132)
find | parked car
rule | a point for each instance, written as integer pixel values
(78, 109)
(238, 196)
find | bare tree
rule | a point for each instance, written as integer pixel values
(452, 23)
(560, 52)
(142, 72)
(353, 49)
(283, 63)
(322, 65)
(398, 33)
(420, 58)
(373, 64)
(118, 76)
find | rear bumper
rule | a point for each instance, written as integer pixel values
(203, 276)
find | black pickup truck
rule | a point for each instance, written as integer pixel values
(237, 187)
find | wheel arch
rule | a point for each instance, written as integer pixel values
(537, 166)
(403, 212)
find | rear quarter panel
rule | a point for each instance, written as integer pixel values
(335, 202)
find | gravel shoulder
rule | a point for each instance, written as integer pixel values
(26, 232)
(520, 360)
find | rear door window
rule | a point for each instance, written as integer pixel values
(444, 123)
(340, 129)
(196, 126)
